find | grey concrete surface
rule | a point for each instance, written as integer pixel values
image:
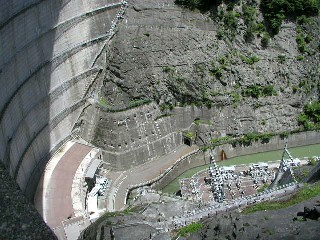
(47, 49)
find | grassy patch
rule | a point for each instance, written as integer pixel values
(236, 97)
(138, 102)
(248, 138)
(127, 211)
(103, 102)
(132, 104)
(104, 218)
(244, 140)
(189, 134)
(163, 116)
(257, 91)
(301, 172)
(281, 58)
(312, 161)
(262, 188)
(220, 140)
(202, 121)
(250, 60)
(305, 193)
(166, 106)
(215, 71)
(191, 228)
(167, 69)
(300, 58)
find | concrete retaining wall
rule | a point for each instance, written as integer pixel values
(136, 136)
(147, 152)
(132, 137)
(199, 159)
(275, 143)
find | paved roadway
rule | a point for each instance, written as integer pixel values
(54, 200)
(58, 194)
(142, 173)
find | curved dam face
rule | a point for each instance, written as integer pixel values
(49, 60)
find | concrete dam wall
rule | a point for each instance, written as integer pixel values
(48, 50)
(131, 137)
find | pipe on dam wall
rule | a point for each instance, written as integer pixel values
(47, 47)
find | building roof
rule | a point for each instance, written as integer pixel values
(228, 168)
(93, 168)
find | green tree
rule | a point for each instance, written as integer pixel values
(193, 4)
(268, 90)
(275, 11)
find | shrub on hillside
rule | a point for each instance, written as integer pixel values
(275, 11)
(310, 118)
(193, 4)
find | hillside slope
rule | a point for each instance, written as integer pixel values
(177, 56)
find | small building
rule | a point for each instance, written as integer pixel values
(90, 175)
(228, 168)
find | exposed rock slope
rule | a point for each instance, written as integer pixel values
(18, 218)
(173, 55)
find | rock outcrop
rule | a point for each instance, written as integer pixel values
(176, 58)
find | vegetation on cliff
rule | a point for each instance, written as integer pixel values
(275, 11)
(193, 4)
(310, 118)
(223, 60)
(307, 192)
(191, 228)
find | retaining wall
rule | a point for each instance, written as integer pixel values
(196, 160)
(138, 134)
(132, 137)
(275, 143)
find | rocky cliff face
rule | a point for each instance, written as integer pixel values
(18, 218)
(176, 56)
